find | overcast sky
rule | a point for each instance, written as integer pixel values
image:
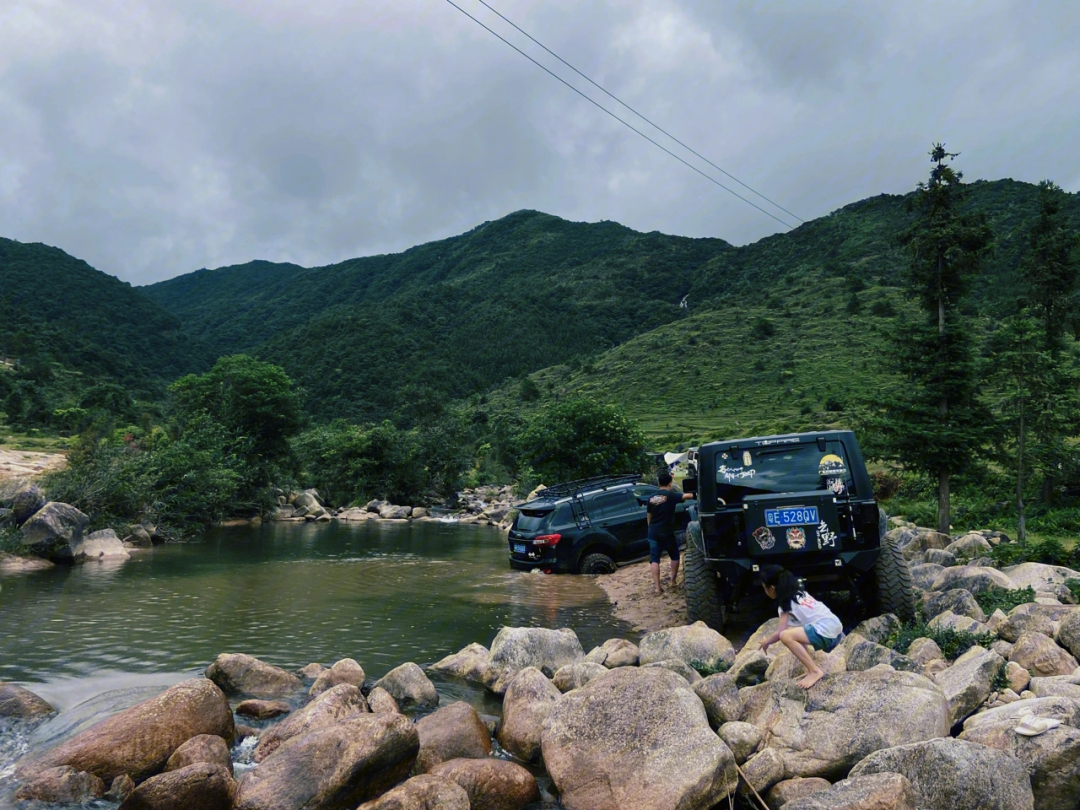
(152, 138)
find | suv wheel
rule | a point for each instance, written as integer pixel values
(597, 564)
(703, 602)
(892, 583)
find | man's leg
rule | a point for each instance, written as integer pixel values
(655, 566)
(794, 638)
(674, 570)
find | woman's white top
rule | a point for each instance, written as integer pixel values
(805, 610)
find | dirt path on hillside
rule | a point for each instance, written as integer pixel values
(27, 464)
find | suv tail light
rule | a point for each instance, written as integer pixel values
(547, 539)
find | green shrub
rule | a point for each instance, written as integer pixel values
(953, 642)
(1050, 552)
(1074, 588)
(1006, 554)
(1005, 601)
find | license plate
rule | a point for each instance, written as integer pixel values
(792, 516)
(519, 548)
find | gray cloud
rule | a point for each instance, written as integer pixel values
(181, 135)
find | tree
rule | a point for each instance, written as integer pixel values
(934, 422)
(578, 438)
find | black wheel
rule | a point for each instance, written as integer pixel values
(892, 582)
(597, 563)
(703, 602)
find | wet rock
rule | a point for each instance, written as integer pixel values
(967, 683)
(1041, 656)
(410, 687)
(120, 788)
(516, 648)
(763, 770)
(679, 667)
(344, 671)
(335, 767)
(615, 652)
(333, 705)
(54, 532)
(98, 545)
(574, 675)
(239, 674)
(742, 738)
(139, 740)
(697, 645)
(380, 701)
(61, 785)
(423, 792)
(526, 705)
(453, 732)
(202, 786)
(202, 748)
(492, 784)
(15, 701)
(311, 671)
(949, 774)
(635, 738)
(470, 663)
(959, 601)
(138, 537)
(719, 694)
(791, 789)
(262, 709)
(14, 564)
(844, 717)
(878, 791)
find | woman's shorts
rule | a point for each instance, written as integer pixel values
(668, 544)
(820, 642)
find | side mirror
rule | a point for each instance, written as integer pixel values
(689, 485)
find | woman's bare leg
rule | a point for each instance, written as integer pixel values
(795, 639)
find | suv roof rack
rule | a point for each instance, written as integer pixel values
(569, 489)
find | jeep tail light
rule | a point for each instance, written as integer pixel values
(547, 539)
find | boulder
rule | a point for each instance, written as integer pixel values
(763, 770)
(1009, 716)
(379, 700)
(876, 791)
(453, 732)
(263, 709)
(333, 705)
(120, 788)
(866, 655)
(742, 738)
(950, 774)
(957, 600)
(491, 784)
(14, 564)
(785, 666)
(574, 675)
(344, 671)
(26, 501)
(973, 578)
(1017, 676)
(1027, 621)
(61, 785)
(335, 767)
(1068, 633)
(311, 671)
(470, 663)
(924, 575)
(679, 667)
(1057, 686)
(54, 532)
(526, 705)
(515, 648)
(410, 687)
(204, 749)
(390, 511)
(423, 792)
(791, 789)
(15, 701)
(615, 652)
(949, 620)
(697, 645)
(925, 650)
(1041, 656)
(970, 546)
(138, 741)
(202, 786)
(939, 556)
(766, 629)
(968, 682)
(877, 628)
(239, 674)
(308, 499)
(844, 717)
(421, 512)
(98, 545)
(635, 738)
(1039, 576)
(719, 694)
(749, 668)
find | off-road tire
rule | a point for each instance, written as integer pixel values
(892, 584)
(597, 564)
(703, 602)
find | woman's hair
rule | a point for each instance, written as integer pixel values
(785, 582)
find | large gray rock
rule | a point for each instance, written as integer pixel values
(719, 694)
(923, 576)
(202, 786)
(697, 645)
(1009, 716)
(471, 663)
(791, 789)
(866, 655)
(139, 740)
(526, 705)
(573, 676)
(958, 600)
(877, 628)
(333, 705)
(202, 749)
(1027, 621)
(950, 774)
(25, 502)
(54, 532)
(410, 687)
(492, 784)
(453, 732)
(969, 546)
(825, 731)
(1041, 656)
(1068, 633)
(760, 772)
(876, 791)
(100, 545)
(636, 738)
(516, 648)
(335, 767)
(423, 792)
(15, 701)
(240, 674)
(743, 739)
(679, 667)
(749, 668)
(951, 621)
(344, 671)
(1039, 576)
(382, 701)
(1056, 686)
(973, 578)
(968, 682)
(61, 785)
(615, 652)
(393, 512)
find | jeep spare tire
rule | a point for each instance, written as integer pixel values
(703, 602)
(597, 564)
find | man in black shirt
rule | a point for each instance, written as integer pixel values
(661, 519)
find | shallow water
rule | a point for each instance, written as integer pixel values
(290, 594)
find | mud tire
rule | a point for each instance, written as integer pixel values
(892, 582)
(703, 602)
(597, 564)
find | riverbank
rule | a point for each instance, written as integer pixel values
(630, 591)
(21, 464)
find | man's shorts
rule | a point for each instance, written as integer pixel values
(659, 544)
(820, 642)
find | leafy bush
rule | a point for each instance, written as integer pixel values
(1005, 601)
(953, 642)
(1006, 554)
(1074, 588)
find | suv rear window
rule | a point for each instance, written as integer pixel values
(785, 468)
(531, 520)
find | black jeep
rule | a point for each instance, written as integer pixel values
(803, 501)
(586, 526)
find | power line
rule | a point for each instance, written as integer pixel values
(620, 120)
(635, 112)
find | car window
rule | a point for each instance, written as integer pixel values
(786, 468)
(531, 520)
(612, 504)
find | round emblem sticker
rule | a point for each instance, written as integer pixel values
(764, 537)
(796, 538)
